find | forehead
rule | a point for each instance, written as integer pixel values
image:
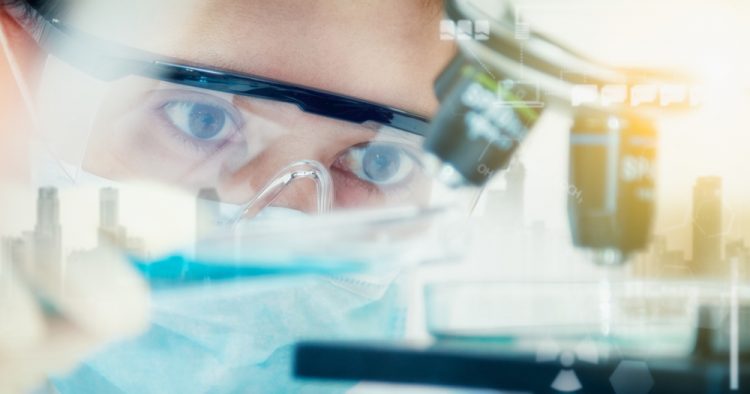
(387, 51)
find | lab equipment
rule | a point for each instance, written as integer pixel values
(612, 164)
(480, 125)
(181, 270)
(635, 318)
(376, 243)
(495, 90)
(637, 336)
(305, 169)
(479, 366)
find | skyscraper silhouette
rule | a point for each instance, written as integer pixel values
(110, 232)
(48, 210)
(506, 207)
(206, 216)
(47, 232)
(108, 207)
(514, 188)
(707, 225)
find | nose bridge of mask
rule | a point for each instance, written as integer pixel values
(48, 170)
(67, 102)
(291, 188)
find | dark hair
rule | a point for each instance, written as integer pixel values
(44, 7)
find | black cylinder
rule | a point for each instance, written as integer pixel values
(482, 119)
(611, 193)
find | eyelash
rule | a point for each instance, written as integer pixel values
(205, 147)
(374, 188)
(195, 144)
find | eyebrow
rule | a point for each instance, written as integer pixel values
(110, 61)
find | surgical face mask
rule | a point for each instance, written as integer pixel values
(237, 338)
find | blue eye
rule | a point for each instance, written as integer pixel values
(380, 163)
(199, 120)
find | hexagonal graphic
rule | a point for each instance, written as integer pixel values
(709, 208)
(685, 220)
(688, 217)
(631, 377)
(708, 228)
(704, 219)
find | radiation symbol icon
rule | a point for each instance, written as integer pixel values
(566, 380)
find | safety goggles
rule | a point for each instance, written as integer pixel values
(122, 113)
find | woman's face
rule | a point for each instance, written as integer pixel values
(385, 51)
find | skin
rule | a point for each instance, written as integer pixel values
(386, 51)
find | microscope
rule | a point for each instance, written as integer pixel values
(489, 104)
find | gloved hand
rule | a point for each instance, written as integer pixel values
(93, 299)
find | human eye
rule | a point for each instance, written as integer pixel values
(380, 163)
(201, 119)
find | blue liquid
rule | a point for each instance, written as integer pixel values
(178, 269)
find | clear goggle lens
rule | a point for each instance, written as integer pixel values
(251, 152)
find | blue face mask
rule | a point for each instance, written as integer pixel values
(237, 337)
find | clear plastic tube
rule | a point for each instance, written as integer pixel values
(303, 169)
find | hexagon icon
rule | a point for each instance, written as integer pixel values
(704, 210)
(631, 377)
(676, 222)
(692, 217)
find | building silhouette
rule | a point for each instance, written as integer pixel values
(13, 252)
(711, 253)
(515, 178)
(737, 252)
(736, 248)
(108, 207)
(207, 212)
(41, 247)
(47, 236)
(506, 206)
(502, 220)
(44, 244)
(661, 261)
(110, 232)
(707, 240)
